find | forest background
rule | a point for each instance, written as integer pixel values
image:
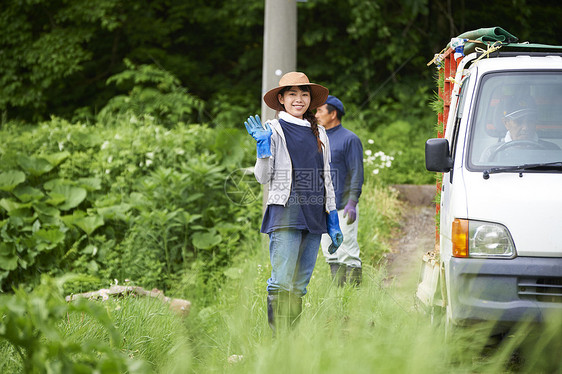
(124, 156)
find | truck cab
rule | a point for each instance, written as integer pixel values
(498, 253)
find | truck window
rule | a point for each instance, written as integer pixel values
(518, 120)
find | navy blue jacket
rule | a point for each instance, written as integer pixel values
(346, 165)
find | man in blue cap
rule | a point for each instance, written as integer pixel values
(347, 176)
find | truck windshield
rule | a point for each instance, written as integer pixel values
(518, 121)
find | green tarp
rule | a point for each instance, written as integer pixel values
(491, 35)
(488, 35)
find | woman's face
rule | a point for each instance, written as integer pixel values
(296, 101)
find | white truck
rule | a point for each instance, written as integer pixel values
(498, 252)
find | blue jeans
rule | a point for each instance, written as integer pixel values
(293, 256)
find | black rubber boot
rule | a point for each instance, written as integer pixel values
(354, 275)
(271, 306)
(282, 310)
(338, 273)
(295, 309)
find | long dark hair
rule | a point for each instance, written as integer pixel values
(309, 116)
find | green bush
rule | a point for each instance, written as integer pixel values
(150, 91)
(393, 131)
(136, 201)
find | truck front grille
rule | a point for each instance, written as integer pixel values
(540, 289)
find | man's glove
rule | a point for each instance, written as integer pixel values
(262, 134)
(334, 231)
(350, 211)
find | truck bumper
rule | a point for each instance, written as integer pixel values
(505, 291)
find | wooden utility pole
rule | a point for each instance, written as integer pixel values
(279, 50)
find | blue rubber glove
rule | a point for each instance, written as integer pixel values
(350, 211)
(262, 134)
(334, 231)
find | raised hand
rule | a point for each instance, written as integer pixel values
(262, 134)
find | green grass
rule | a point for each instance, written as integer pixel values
(371, 329)
(374, 328)
(151, 332)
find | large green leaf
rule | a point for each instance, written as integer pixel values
(27, 193)
(11, 205)
(56, 158)
(48, 238)
(55, 199)
(8, 258)
(206, 240)
(50, 184)
(91, 184)
(35, 165)
(88, 224)
(10, 179)
(115, 211)
(73, 196)
(46, 210)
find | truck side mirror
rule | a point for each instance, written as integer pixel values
(437, 157)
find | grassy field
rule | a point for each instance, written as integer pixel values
(374, 328)
(370, 329)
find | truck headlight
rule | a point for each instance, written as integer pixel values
(481, 239)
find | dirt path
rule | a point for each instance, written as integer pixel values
(417, 236)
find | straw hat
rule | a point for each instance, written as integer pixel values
(318, 93)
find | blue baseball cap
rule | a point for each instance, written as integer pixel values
(336, 103)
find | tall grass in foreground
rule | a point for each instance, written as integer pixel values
(376, 328)
(151, 332)
(369, 329)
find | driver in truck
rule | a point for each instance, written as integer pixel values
(520, 117)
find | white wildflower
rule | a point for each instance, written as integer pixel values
(370, 141)
(104, 145)
(107, 171)
(148, 162)
(109, 159)
(235, 358)
(368, 152)
(375, 171)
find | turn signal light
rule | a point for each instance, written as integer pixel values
(460, 238)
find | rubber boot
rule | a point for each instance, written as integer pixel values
(295, 309)
(338, 273)
(279, 314)
(271, 306)
(354, 275)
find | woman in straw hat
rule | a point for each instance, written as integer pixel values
(294, 159)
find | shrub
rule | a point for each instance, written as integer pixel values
(136, 201)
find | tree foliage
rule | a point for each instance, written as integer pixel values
(56, 56)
